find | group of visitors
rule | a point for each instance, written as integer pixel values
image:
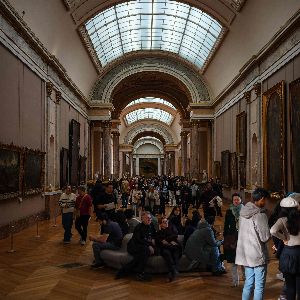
(246, 229)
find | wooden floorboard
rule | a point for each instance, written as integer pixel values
(34, 272)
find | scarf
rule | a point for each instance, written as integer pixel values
(236, 213)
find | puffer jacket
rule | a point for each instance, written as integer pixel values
(254, 233)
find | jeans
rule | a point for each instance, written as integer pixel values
(67, 223)
(255, 279)
(124, 200)
(98, 247)
(215, 259)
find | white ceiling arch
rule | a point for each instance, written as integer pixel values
(148, 140)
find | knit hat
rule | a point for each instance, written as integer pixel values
(295, 196)
(288, 202)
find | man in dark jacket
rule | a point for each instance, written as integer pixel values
(141, 247)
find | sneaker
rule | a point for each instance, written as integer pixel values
(282, 297)
(82, 242)
(97, 265)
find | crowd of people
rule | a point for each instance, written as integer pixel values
(138, 206)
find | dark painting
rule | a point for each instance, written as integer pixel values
(217, 169)
(10, 160)
(241, 134)
(242, 171)
(33, 171)
(295, 131)
(148, 167)
(273, 144)
(225, 168)
(64, 167)
(82, 169)
(74, 142)
(234, 170)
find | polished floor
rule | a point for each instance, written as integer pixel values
(44, 268)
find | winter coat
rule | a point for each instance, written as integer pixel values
(200, 244)
(230, 229)
(254, 233)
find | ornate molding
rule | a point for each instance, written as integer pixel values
(58, 97)
(49, 88)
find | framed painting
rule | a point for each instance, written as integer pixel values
(10, 171)
(234, 170)
(34, 171)
(241, 134)
(273, 120)
(82, 169)
(242, 173)
(225, 168)
(294, 104)
(64, 167)
(217, 169)
(74, 147)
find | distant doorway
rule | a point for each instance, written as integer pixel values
(148, 167)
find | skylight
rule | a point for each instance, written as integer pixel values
(149, 113)
(151, 100)
(154, 25)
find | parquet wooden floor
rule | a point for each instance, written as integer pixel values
(34, 272)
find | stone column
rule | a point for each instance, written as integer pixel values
(116, 148)
(183, 135)
(137, 165)
(159, 166)
(107, 157)
(130, 164)
(194, 151)
(209, 149)
(172, 162)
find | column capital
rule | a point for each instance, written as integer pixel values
(58, 97)
(106, 124)
(257, 89)
(247, 96)
(49, 88)
(115, 133)
(184, 133)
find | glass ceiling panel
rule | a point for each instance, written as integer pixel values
(151, 100)
(153, 25)
(149, 113)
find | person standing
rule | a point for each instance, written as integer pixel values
(251, 251)
(83, 207)
(287, 229)
(231, 227)
(67, 204)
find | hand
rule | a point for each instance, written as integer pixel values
(174, 243)
(153, 242)
(274, 248)
(285, 242)
(91, 238)
(164, 242)
(151, 249)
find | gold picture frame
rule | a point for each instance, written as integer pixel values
(273, 126)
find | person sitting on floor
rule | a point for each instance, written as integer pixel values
(202, 249)
(141, 247)
(170, 249)
(110, 238)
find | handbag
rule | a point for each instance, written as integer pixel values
(230, 241)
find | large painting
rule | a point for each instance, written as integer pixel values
(295, 130)
(148, 167)
(242, 173)
(225, 168)
(241, 134)
(74, 152)
(234, 170)
(274, 138)
(10, 171)
(64, 167)
(82, 169)
(33, 171)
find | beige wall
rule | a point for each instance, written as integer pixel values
(52, 24)
(251, 30)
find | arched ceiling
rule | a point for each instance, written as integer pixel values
(153, 84)
(146, 133)
(141, 127)
(223, 10)
(147, 140)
